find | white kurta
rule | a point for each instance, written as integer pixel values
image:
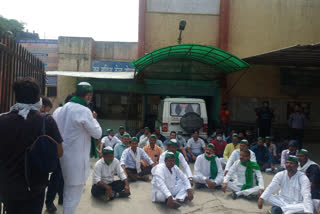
(56, 112)
(306, 166)
(164, 183)
(143, 141)
(235, 155)
(202, 170)
(77, 126)
(182, 162)
(238, 173)
(110, 141)
(105, 173)
(294, 195)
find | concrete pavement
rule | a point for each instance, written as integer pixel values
(205, 201)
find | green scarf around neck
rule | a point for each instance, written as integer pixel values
(250, 166)
(213, 166)
(177, 158)
(79, 100)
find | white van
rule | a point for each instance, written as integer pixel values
(182, 114)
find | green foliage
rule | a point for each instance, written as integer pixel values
(10, 25)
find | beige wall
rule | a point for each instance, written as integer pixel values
(162, 29)
(259, 83)
(258, 26)
(115, 51)
(75, 53)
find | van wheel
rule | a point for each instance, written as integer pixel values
(191, 121)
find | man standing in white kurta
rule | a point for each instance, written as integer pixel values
(294, 195)
(245, 175)
(77, 125)
(165, 187)
(207, 169)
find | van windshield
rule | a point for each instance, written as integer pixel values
(180, 109)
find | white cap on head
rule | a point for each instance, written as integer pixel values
(84, 83)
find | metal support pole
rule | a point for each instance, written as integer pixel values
(144, 109)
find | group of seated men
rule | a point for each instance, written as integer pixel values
(241, 173)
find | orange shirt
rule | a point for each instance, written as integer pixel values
(154, 154)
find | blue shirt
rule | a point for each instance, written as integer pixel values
(165, 143)
(130, 162)
(118, 150)
(262, 154)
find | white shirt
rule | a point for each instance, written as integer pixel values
(293, 190)
(284, 156)
(56, 112)
(129, 162)
(110, 141)
(105, 173)
(196, 146)
(202, 170)
(165, 181)
(238, 173)
(76, 125)
(182, 162)
(143, 141)
(119, 136)
(235, 155)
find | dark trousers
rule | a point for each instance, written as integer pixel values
(132, 173)
(264, 166)
(264, 128)
(298, 134)
(55, 186)
(97, 191)
(31, 206)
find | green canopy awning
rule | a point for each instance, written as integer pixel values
(219, 59)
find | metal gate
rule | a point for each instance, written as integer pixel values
(16, 61)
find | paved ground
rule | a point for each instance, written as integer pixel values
(205, 201)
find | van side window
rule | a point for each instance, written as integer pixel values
(180, 109)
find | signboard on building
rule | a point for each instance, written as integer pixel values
(45, 49)
(211, 7)
(111, 66)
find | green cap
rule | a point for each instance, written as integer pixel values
(180, 132)
(211, 146)
(292, 158)
(169, 155)
(121, 127)
(134, 139)
(107, 150)
(153, 136)
(126, 135)
(244, 142)
(146, 128)
(234, 135)
(84, 87)
(303, 151)
(268, 138)
(260, 138)
(173, 142)
(109, 130)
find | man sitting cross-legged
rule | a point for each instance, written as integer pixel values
(294, 195)
(104, 186)
(131, 162)
(244, 173)
(164, 185)
(172, 147)
(207, 169)
(244, 145)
